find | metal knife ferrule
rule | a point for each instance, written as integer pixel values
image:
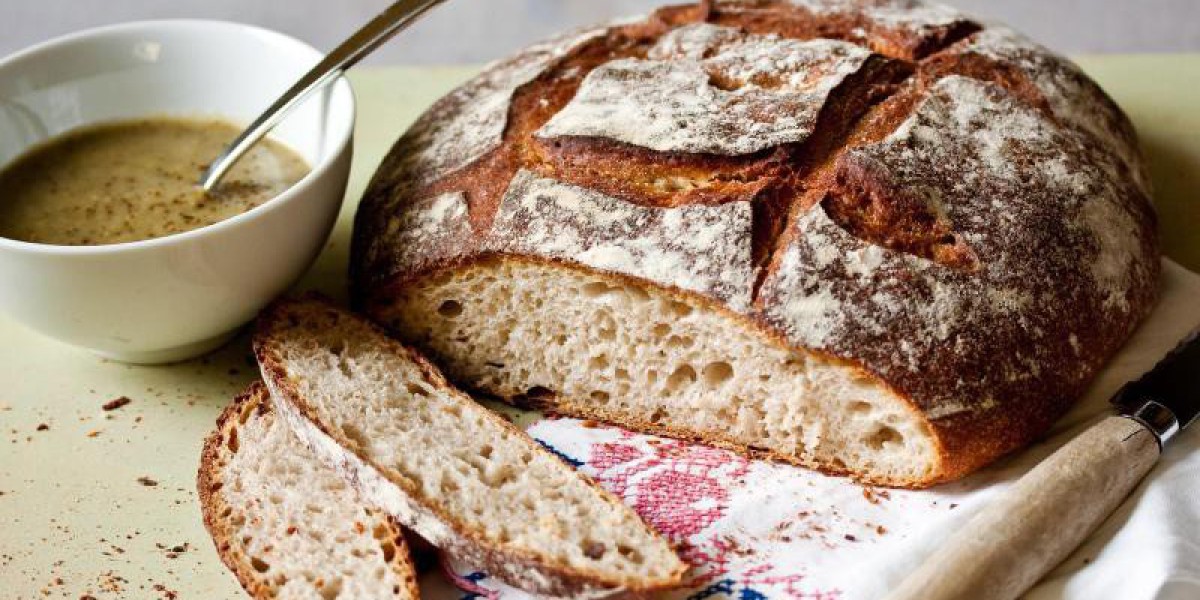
(1159, 419)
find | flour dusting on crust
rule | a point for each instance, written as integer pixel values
(910, 15)
(1074, 98)
(710, 89)
(698, 248)
(1119, 248)
(469, 122)
(425, 232)
(1031, 199)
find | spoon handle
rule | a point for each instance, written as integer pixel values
(364, 41)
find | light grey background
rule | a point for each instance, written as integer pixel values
(465, 31)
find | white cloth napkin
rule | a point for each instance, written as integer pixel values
(755, 529)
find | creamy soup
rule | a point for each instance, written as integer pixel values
(135, 180)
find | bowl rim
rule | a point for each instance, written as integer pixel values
(317, 171)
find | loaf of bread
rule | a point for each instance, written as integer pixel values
(286, 525)
(870, 237)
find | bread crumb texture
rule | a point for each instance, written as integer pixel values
(287, 525)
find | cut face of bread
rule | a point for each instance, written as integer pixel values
(603, 347)
(453, 471)
(287, 525)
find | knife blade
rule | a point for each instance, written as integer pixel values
(1050, 511)
(1167, 398)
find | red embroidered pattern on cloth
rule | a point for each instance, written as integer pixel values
(678, 488)
(749, 529)
(681, 490)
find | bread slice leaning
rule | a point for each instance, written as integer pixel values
(287, 525)
(451, 470)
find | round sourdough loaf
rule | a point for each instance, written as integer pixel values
(875, 238)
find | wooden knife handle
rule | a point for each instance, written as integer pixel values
(1014, 541)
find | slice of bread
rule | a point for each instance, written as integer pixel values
(458, 474)
(287, 525)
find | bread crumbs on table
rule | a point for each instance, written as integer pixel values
(874, 496)
(146, 481)
(850, 538)
(116, 403)
(93, 433)
(173, 551)
(111, 583)
(43, 427)
(167, 594)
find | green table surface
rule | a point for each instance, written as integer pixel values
(74, 517)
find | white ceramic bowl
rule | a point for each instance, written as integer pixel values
(175, 297)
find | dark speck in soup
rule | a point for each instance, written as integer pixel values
(126, 181)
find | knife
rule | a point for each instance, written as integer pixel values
(1047, 514)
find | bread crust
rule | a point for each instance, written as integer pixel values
(521, 568)
(213, 506)
(884, 238)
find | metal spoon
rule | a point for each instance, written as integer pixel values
(364, 41)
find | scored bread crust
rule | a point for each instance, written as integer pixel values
(218, 514)
(964, 210)
(523, 568)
